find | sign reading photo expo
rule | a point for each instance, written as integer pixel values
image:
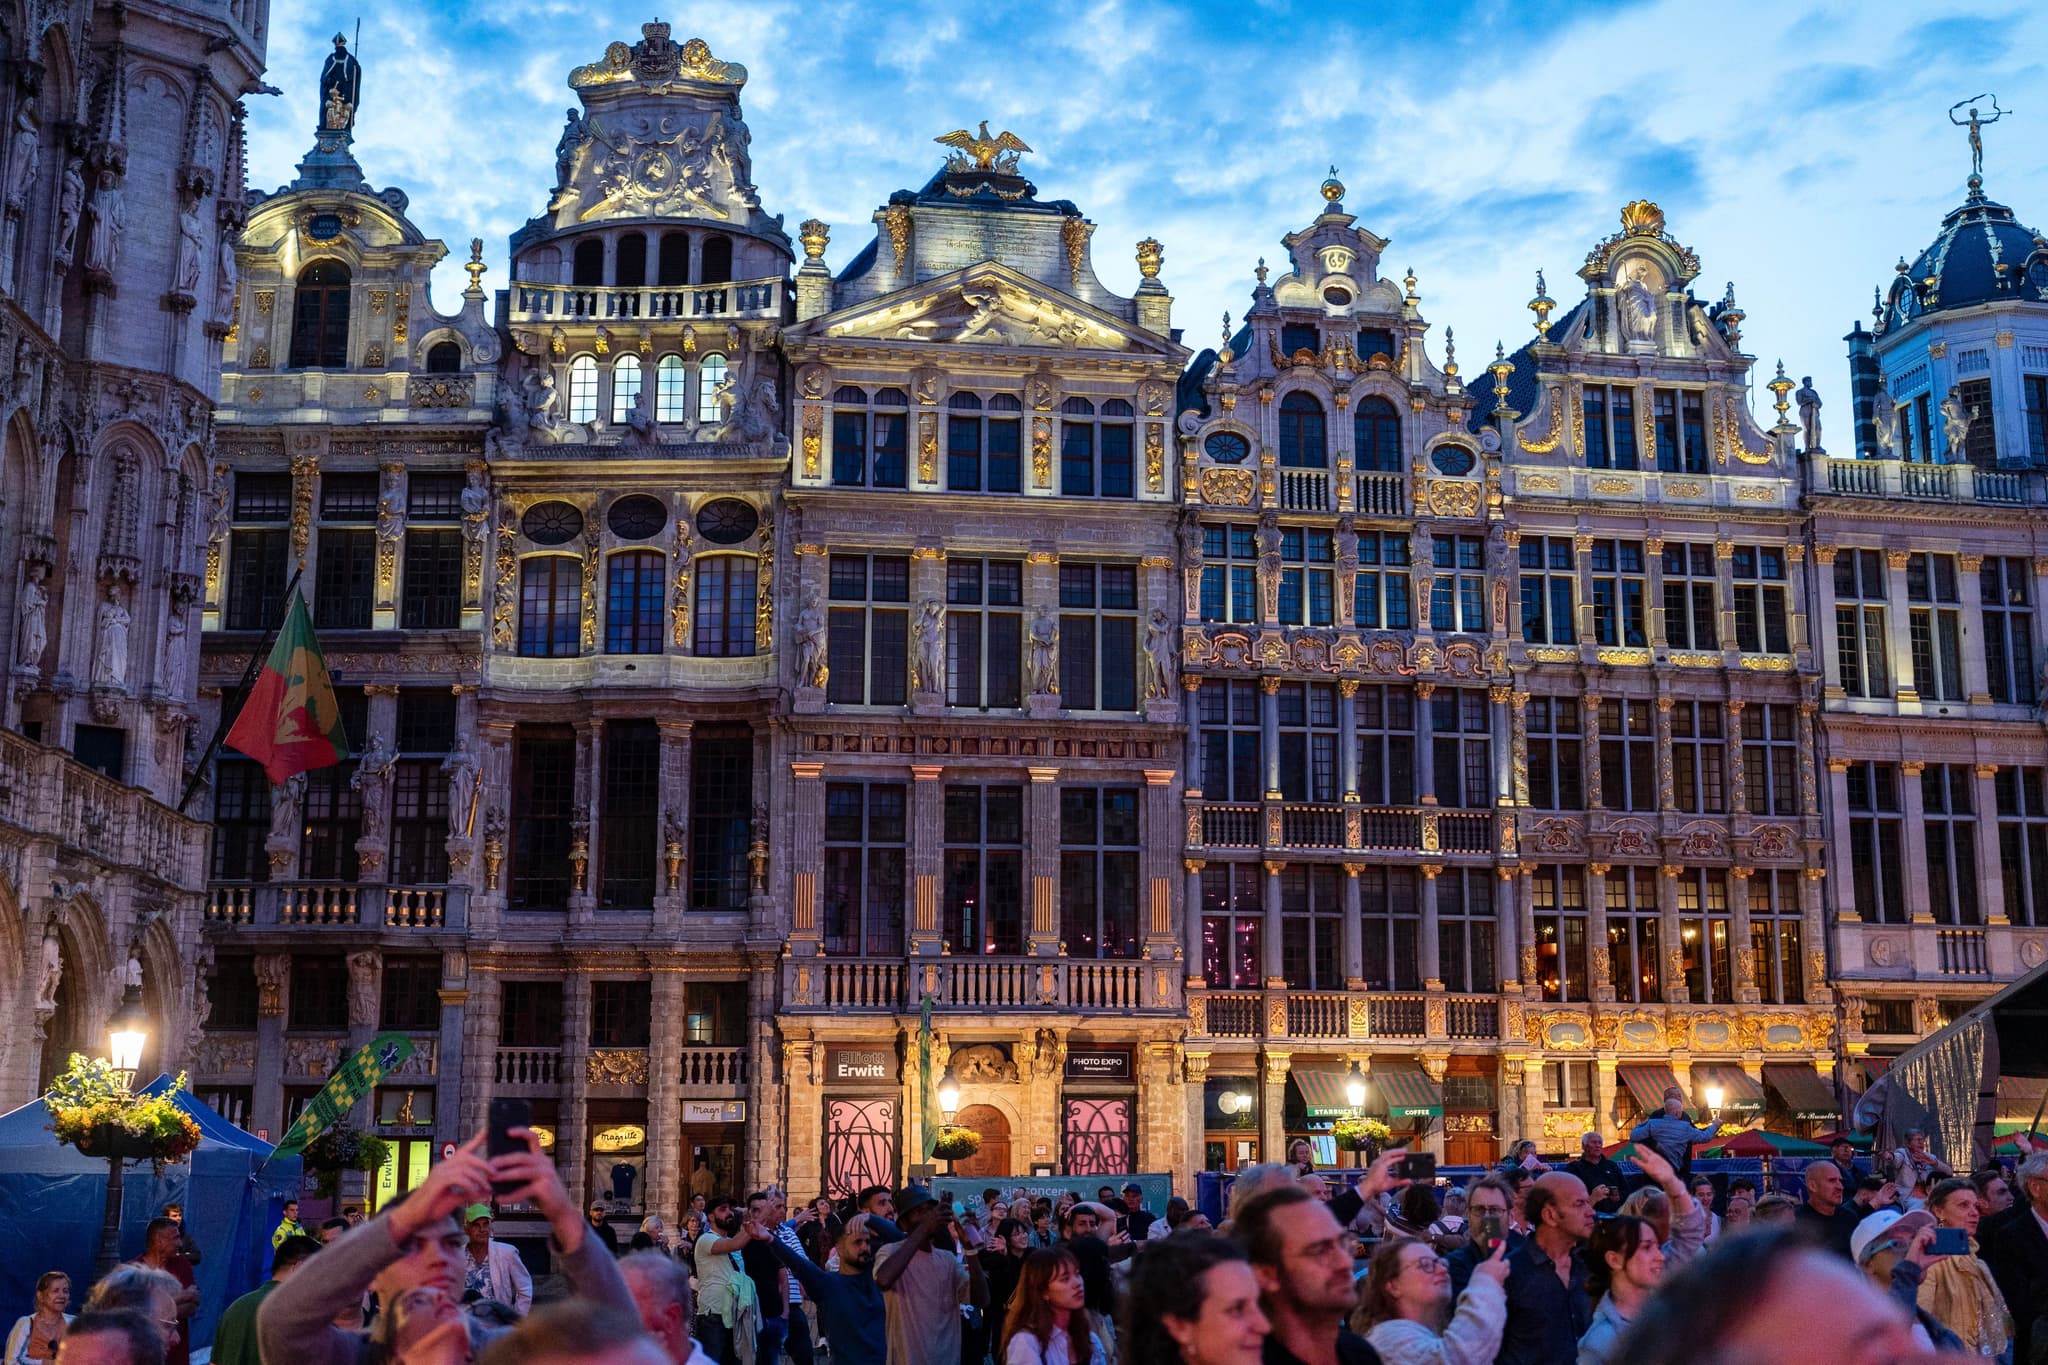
(860, 1066)
(1111, 1065)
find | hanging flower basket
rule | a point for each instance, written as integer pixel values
(955, 1143)
(1360, 1135)
(91, 1110)
(342, 1148)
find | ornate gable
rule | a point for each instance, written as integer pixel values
(989, 305)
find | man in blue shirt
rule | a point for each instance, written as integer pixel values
(851, 1312)
(1547, 1307)
(1671, 1133)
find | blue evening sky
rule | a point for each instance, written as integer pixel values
(1798, 148)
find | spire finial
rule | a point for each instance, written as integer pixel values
(1260, 271)
(1450, 352)
(1542, 305)
(476, 266)
(1333, 191)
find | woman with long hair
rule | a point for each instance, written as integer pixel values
(1193, 1301)
(1624, 1262)
(1048, 1322)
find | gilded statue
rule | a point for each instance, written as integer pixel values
(982, 152)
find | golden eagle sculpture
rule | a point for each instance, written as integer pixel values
(980, 152)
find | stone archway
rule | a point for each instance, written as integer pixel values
(992, 1162)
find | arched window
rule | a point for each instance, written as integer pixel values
(583, 389)
(671, 400)
(673, 267)
(589, 263)
(710, 379)
(717, 262)
(550, 606)
(634, 581)
(629, 263)
(1302, 437)
(1376, 432)
(625, 386)
(320, 317)
(444, 357)
(725, 606)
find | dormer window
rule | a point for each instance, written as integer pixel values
(320, 317)
(444, 357)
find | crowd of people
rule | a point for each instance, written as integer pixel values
(1582, 1263)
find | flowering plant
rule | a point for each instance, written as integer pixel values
(955, 1143)
(342, 1148)
(1358, 1135)
(92, 1110)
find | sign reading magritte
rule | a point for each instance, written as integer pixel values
(860, 1065)
(1101, 1064)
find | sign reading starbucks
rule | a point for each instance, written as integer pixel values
(860, 1066)
(1099, 1064)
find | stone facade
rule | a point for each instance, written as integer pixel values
(120, 194)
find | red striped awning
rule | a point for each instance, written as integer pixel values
(1647, 1081)
(1741, 1093)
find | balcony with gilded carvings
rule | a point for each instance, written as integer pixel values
(1355, 1016)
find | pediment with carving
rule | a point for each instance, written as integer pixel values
(989, 306)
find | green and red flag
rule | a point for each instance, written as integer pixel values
(291, 723)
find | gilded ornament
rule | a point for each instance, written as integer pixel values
(1546, 443)
(814, 234)
(504, 599)
(305, 473)
(1540, 483)
(1641, 218)
(1684, 488)
(1151, 256)
(1449, 498)
(928, 447)
(1074, 235)
(814, 440)
(980, 152)
(1613, 486)
(1756, 492)
(401, 313)
(896, 222)
(1155, 456)
(1225, 487)
(1041, 452)
(591, 540)
(617, 1066)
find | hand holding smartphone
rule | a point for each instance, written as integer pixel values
(505, 1116)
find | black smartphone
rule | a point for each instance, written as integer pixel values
(1416, 1166)
(1949, 1242)
(1492, 1231)
(505, 1115)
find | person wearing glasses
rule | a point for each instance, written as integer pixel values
(1405, 1311)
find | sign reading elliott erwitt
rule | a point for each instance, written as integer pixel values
(860, 1065)
(1100, 1064)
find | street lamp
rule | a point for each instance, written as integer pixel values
(127, 1032)
(1715, 1094)
(949, 1095)
(1354, 1087)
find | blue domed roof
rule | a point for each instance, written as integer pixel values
(1981, 255)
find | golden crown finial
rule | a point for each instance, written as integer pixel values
(476, 266)
(1641, 218)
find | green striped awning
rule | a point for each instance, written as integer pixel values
(1647, 1081)
(1322, 1092)
(1742, 1094)
(1802, 1089)
(1406, 1091)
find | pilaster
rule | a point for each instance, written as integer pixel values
(1042, 858)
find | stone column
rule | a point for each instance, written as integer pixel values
(1161, 835)
(765, 1155)
(1667, 794)
(803, 1129)
(1532, 1097)
(1653, 587)
(451, 1050)
(1990, 868)
(927, 856)
(806, 857)
(1191, 726)
(1196, 1067)
(1425, 744)
(1354, 938)
(1162, 1116)
(1269, 734)
(1269, 950)
(1604, 1093)
(494, 780)
(1738, 781)
(1191, 923)
(1899, 629)
(1747, 991)
(1809, 783)
(481, 1015)
(1674, 954)
(1814, 937)
(1042, 857)
(1919, 905)
(665, 1160)
(1798, 636)
(365, 997)
(273, 997)
(1273, 1067)
(1506, 923)
(1347, 737)
(1525, 928)
(672, 889)
(1434, 1065)
(1518, 745)
(1430, 953)
(583, 870)
(1599, 957)
(572, 1145)
(1589, 751)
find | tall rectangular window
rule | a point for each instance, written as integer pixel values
(1382, 598)
(1634, 931)
(334, 821)
(1099, 871)
(1628, 755)
(628, 814)
(543, 810)
(1690, 618)
(2007, 587)
(1308, 741)
(1556, 753)
(1875, 830)
(1705, 931)
(869, 630)
(1980, 443)
(344, 579)
(1457, 592)
(1463, 748)
(721, 817)
(1233, 919)
(319, 993)
(870, 440)
(1610, 416)
(551, 606)
(1308, 582)
(1548, 573)
(621, 1013)
(433, 580)
(1230, 574)
(1698, 757)
(865, 853)
(984, 632)
(726, 624)
(259, 564)
(1761, 617)
(982, 450)
(1948, 810)
(410, 994)
(1620, 594)
(530, 1014)
(241, 821)
(984, 869)
(1770, 758)
(2022, 843)
(1776, 934)
(1936, 626)
(1678, 419)
(1466, 928)
(1861, 651)
(1390, 928)
(1386, 744)
(1558, 899)
(2034, 388)
(635, 591)
(1095, 457)
(419, 790)
(1098, 653)
(1312, 926)
(1228, 713)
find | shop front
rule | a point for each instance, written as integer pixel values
(862, 1118)
(1230, 1122)
(1099, 1112)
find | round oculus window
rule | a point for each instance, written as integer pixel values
(1336, 297)
(727, 521)
(551, 523)
(637, 517)
(1227, 447)
(1452, 460)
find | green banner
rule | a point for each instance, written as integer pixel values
(927, 1104)
(351, 1081)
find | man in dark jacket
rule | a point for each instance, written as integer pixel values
(1302, 1260)
(602, 1230)
(1598, 1173)
(2015, 1246)
(1547, 1306)
(1826, 1217)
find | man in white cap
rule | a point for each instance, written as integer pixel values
(492, 1270)
(1891, 1248)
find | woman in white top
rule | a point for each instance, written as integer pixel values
(1049, 1322)
(34, 1338)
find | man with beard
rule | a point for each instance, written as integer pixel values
(925, 1280)
(1301, 1258)
(851, 1313)
(1547, 1307)
(723, 1289)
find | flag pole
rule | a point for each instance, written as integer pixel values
(231, 706)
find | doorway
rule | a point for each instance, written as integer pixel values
(993, 1160)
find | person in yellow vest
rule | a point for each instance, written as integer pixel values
(289, 1227)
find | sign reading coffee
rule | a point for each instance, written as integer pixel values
(1102, 1064)
(860, 1066)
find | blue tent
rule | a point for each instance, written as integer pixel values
(52, 1200)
